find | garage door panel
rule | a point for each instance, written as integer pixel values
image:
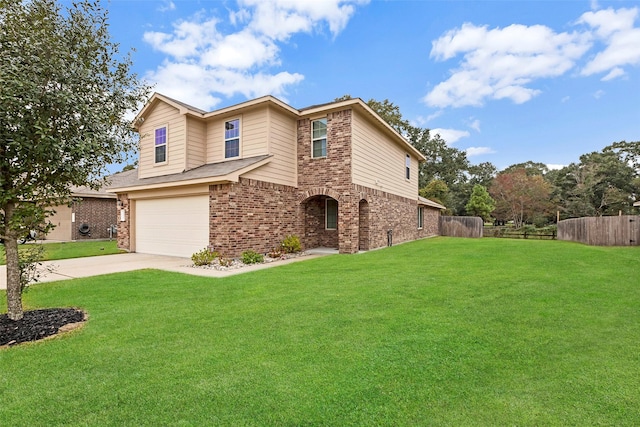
(176, 226)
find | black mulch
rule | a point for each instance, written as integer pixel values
(37, 324)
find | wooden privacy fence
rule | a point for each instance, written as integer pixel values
(461, 226)
(602, 231)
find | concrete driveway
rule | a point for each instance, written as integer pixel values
(105, 264)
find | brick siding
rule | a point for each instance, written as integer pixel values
(99, 214)
(256, 215)
(251, 215)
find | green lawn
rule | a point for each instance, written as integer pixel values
(65, 250)
(442, 331)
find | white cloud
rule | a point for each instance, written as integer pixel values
(478, 151)
(598, 94)
(196, 85)
(474, 124)
(552, 166)
(616, 72)
(167, 6)
(203, 62)
(189, 38)
(279, 19)
(503, 63)
(500, 63)
(451, 136)
(616, 29)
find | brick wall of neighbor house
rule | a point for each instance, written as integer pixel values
(251, 215)
(124, 242)
(99, 214)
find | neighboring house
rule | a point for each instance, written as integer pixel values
(90, 215)
(637, 204)
(246, 176)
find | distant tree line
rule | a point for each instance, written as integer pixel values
(601, 183)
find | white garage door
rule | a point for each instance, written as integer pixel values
(178, 226)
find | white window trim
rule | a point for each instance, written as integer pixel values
(326, 139)
(224, 139)
(166, 145)
(326, 214)
(407, 167)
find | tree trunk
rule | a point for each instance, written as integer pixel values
(14, 288)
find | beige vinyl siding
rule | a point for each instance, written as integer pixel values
(162, 115)
(379, 162)
(62, 220)
(282, 169)
(263, 130)
(196, 143)
(254, 133)
(215, 140)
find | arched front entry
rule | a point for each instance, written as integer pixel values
(320, 215)
(363, 225)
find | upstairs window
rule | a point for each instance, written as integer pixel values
(407, 167)
(232, 138)
(319, 138)
(331, 214)
(160, 145)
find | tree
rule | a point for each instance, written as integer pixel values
(520, 197)
(444, 163)
(388, 111)
(602, 183)
(531, 168)
(437, 191)
(480, 203)
(64, 92)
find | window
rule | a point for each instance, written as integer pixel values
(331, 214)
(319, 138)
(420, 217)
(161, 145)
(407, 166)
(232, 138)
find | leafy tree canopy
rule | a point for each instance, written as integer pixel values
(64, 94)
(520, 197)
(480, 203)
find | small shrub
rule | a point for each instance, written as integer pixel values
(252, 257)
(291, 244)
(30, 263)
(276, 253)
(204, 257)
(225, 262)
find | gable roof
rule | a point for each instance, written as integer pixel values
(228, 171)
(85, 191)
(355, 103)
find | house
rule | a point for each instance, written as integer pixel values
(92, 214)
(246, 176)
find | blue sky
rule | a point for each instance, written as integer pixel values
(507, 81)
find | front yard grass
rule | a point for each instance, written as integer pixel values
(65, 250)
(442, 331)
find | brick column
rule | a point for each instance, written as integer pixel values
(124, 227)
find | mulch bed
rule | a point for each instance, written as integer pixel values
(38, 324)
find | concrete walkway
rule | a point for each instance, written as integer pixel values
(106, 264)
